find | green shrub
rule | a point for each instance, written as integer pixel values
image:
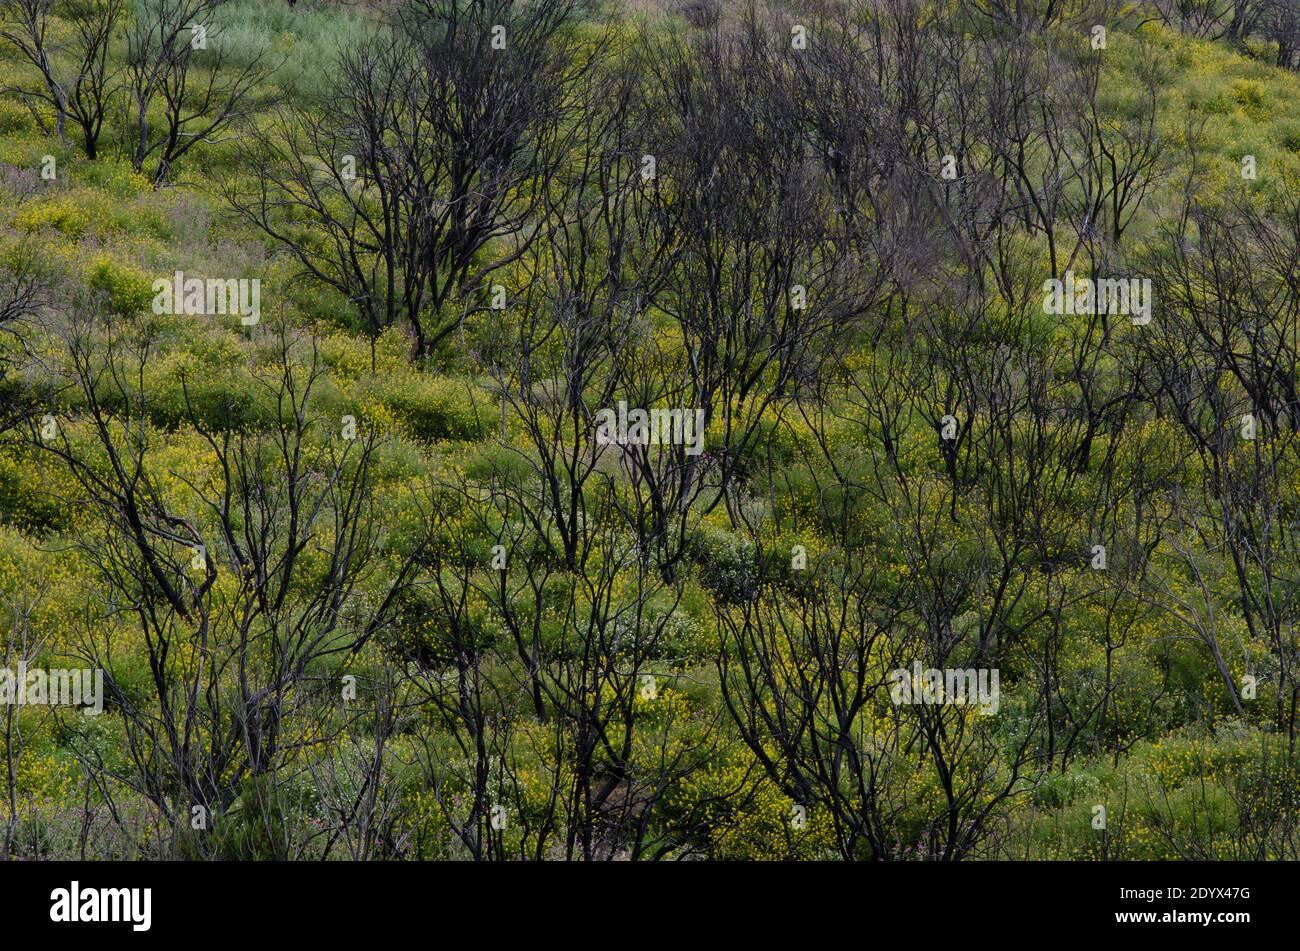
(433, 408)
(128, 290)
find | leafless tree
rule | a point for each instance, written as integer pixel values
(175, 57)
(423, 165)
(286, 513)
(83, 90)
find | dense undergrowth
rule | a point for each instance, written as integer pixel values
(654, 672)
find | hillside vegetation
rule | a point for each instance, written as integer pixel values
(323, 329)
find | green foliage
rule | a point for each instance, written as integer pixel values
(127, 290)
(961, 549)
